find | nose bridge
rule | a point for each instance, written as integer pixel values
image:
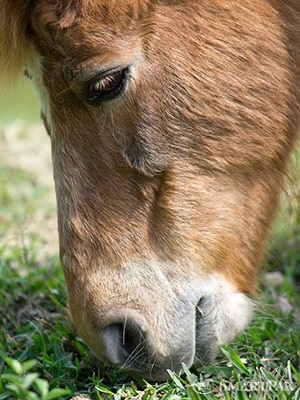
(144, 286)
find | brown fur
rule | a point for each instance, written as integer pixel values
(187, 167)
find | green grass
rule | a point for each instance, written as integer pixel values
(20, 103)
(41, 355)
(263, 363)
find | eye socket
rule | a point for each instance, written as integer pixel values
(105, 87)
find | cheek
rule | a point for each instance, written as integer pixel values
(214, 224)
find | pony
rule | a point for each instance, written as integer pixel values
(171, 125)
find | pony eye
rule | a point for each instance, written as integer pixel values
(105, 87)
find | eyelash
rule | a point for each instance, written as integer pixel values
(105, 88)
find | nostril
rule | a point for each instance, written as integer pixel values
(125, 345)
(131, 344)
(200, 308)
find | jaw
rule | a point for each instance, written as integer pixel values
(149, 326)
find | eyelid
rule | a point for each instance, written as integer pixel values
(102, 75)
(82, 75)
(94, 100)
(79, 74)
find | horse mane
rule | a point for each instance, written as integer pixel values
(14, 46)
(14, 32)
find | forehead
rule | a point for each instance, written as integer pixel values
(65, 13)
(77, 25)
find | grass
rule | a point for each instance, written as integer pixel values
(41, 355)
